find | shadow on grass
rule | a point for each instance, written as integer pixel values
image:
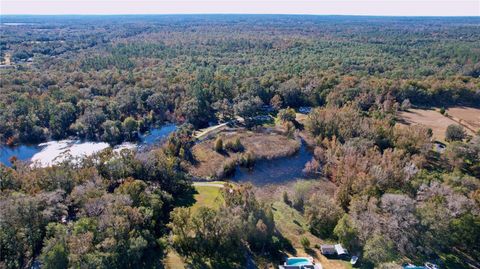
(312, 253)
(297, 223)
(186, 198)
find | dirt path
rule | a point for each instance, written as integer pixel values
(205, 132)
(208, 184)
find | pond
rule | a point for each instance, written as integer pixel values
(46, 154)
(275, 171)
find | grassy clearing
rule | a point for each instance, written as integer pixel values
(291, 223)
(209, 196)
(174, 261)
(469, 117)
(293, 226)
(432, 119)
(263, 145)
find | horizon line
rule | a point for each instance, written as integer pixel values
(231, 13)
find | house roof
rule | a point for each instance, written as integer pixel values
(327, 249)
(340, 250)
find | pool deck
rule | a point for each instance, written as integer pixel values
(316, 266)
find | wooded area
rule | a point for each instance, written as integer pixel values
(109, 78)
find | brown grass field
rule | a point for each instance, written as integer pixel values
(469, 117)
(431, 118)
(262, 145)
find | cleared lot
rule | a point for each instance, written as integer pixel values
(432, 119)
(467, 116)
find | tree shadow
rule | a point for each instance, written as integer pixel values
(312, 252)
(298, 125)
(187, 198)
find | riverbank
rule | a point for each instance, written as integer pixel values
(57, 151)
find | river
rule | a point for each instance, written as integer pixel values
(49, 153)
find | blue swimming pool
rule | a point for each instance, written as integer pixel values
(298, 261)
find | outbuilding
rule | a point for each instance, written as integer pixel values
(328, 250)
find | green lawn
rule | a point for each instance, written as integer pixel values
(293, 226)
(208, 196)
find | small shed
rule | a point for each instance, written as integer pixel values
(328, 250)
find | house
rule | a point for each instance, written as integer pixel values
(334, 250)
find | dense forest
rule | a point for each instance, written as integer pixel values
(106, 78)
(109, 78)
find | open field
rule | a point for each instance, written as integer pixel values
(469, 117)
(263, 145)
(432, 119)
(208, 194)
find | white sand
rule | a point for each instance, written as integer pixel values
(58, 151)
(125, 145)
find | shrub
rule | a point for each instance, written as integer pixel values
(298, 204)
(406, 105)
(290, 129)
(235, 146)
(286, 115)
(247, 160)
(286, 199)
(228, 168)
(305, 242)
(442, 111)
(455, 132)
(218, 145)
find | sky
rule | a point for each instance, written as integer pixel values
(314, 7)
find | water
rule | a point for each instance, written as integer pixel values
(275, 171)
(23, 152)
(298, 261)
(46, 154)
(157, 134)
(16, 23)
